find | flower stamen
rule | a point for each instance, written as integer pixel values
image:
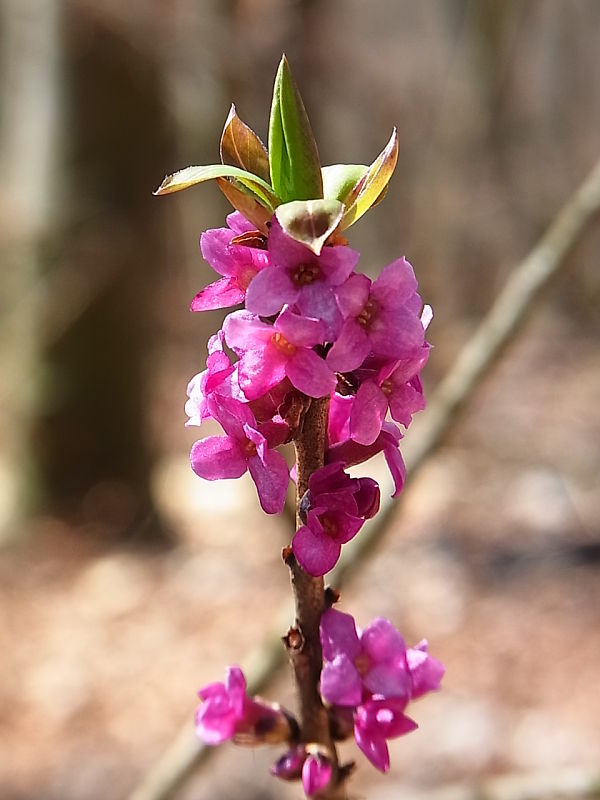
(306, 274)
(282, 344)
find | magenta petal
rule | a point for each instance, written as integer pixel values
(353, 295)
(396, 334)
(340, 682)
(214, 728)
(350, 349)
(348, 526)
(260, 370)
(338, 635)
(395, 284)
(317, 300)
(405, 400)
(299, 330)
(339, 419)
(269, 291)
(396, 466)
(242, 327)
(337, 263)
(220, 294)
(316, 774)
(381, 641)
(400, 725)
(217, 457)
(310, 374)
(316, 552)
(216, 248)
(426, 671)
(271, 477)
(368, 413)
(389, 680)
(238, 222)
(372, 742)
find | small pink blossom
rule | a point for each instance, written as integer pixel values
(244, 447)
(270, 353)
(226, 712)
(335, 508)
(376, 721)
(380, 317)
(349, 452)
(237, 263)
(307, 762)
(395, 385)
(299, 277)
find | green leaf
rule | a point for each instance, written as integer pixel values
(293, 158)
(241, 147)
(340, 179)
(246, 203)
(310, 222)
(190, 176)
(368, 190)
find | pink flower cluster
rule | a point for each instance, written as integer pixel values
(368, 679)
(372, 676)
(314, 327)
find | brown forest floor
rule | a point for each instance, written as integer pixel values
(494, 556)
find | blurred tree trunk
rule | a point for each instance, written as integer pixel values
(30, 116)
(91, 440)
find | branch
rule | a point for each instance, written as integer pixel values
(500, 325)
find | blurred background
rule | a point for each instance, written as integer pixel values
(125, 582)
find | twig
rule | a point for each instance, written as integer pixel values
(302, 641)
(500, 325)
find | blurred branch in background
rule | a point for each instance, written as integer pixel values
(31, 119)
(504, 320)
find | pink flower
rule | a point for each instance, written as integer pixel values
(269, 353)
(316, 773)
(226, 712)
(374, 662)
(301, 278)
(376, 675)
(237, 263)
(335, 508)
(216, 379)
(243, 448)
(378, 720)
(350, 452)
(395, 385)
(307, 762)
(382, 317)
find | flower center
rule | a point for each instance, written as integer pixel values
(245, 278)
(249, 448)
(305, 274)
(366, 315)
(282, 344)
(386, 387)
(330, 526)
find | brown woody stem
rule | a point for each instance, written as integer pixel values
(303, 641)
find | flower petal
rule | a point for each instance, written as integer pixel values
(338, 635)
(316, 552)
(340, 682)
(220, 294)
(269, 291)
(217, 457)
(271, 476)
(350, 349)
(368, 413)
(310, 374)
